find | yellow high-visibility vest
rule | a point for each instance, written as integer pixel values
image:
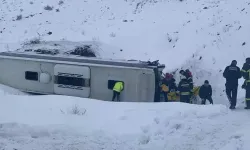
(118, 87)
(164, 88)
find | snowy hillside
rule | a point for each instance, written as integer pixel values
(203, 35)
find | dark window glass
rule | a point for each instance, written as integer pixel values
(29, 75)
(70, 81)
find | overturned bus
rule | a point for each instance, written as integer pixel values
(80, 76)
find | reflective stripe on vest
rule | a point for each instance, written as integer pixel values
(247, 99)
(185, 93)
(248, 81)
(243, 70)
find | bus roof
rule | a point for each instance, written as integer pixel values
(81, 59)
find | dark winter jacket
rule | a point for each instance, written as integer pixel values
(245, 71)
(205, 91)
(189, 79)
(171, 84)
(232, 74)
(184, 87)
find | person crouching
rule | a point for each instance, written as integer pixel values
(205, 93)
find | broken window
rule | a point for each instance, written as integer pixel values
(72, 80)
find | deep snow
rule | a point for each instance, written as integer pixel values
(51, 122)
(202, 35)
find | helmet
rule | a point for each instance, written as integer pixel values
(168, 76)
(182, 72)
(188, 72)
(206, 82)
(248, 60)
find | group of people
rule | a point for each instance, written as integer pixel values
(185, 89)
(233, 73)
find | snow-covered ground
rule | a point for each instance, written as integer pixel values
(60, 122)
(203, 35)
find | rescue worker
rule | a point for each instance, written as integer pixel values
(117, 89)
(164, 90)
(232, 74)
(172, 88)
(182, 72)
(184, 89)
(246, 75)
(164, 87)
(205, 93)
(189, 77)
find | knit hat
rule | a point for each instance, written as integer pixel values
(206, 82)
(234, 62)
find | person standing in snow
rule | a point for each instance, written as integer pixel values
(117, 89)
(164, 87)
(232, 74)
(171, 87)
(184, 89)
(188, 76)
(205, 93)
(246, 75)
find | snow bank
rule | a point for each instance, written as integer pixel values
(64, 122)
(6, 90)
(120, 118)
(49, 119)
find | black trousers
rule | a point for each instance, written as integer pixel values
(116, 95)
(232, 95)
(248, 94)
(185, 98)
(165, 94)
(203, 100)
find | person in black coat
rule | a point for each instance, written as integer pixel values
(232, 74)
(205, 93)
